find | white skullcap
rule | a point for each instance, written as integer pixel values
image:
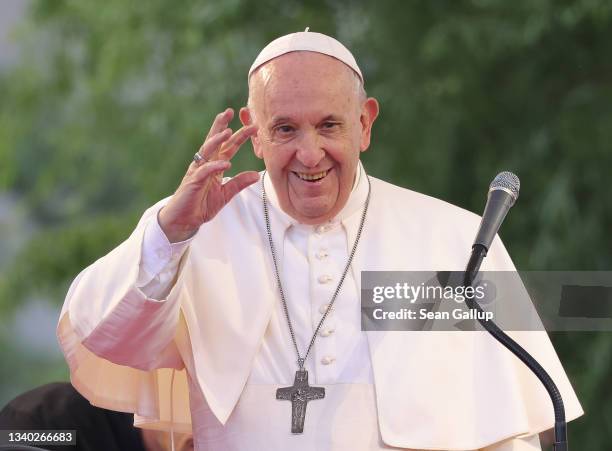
(309, 42)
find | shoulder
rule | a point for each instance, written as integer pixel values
(408, 205)
(406, 214)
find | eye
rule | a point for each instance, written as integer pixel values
(329, 125)
(284, 129)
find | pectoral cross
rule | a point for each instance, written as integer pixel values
(299, 394)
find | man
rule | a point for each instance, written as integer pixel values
(58, 406)
(230, 291)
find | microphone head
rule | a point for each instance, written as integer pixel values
(508, 182)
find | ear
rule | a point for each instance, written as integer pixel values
(247, 119)
(369, 113)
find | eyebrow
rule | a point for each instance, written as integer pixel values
(280, 119)
(332, 117)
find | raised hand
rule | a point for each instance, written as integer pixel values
(200, 196)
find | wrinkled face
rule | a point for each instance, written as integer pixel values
(313, 124)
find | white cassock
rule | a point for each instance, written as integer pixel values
(192, 336)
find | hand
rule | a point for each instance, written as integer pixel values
(200, 196)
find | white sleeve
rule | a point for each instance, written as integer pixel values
(107, 313)
(120, 345)
(159, 261)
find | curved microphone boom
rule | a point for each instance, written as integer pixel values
(503, 192)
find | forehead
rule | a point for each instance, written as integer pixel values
(302, 81)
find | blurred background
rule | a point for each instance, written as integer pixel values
(102, 105)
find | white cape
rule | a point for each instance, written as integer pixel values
(434, 390)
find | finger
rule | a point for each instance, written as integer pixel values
(207, 169)
(238, 183)
(209, 149)
(229, 149)
(221, 122)
(203, 177)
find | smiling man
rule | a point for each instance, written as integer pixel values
(314, 120)
(233, 309)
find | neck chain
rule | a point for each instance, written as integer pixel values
(300, 392)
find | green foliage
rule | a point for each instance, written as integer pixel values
(54, 256)
(110, 101)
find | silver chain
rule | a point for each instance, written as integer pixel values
(301, 360)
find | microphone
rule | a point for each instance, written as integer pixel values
(503, 193)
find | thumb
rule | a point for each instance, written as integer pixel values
(238, 183)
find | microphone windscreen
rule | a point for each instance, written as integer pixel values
(508, 182)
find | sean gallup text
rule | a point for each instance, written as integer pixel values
(425, 314)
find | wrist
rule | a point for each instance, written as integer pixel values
(174, 233)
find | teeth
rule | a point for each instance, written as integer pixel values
(317, 176)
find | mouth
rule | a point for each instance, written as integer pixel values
(312, 178)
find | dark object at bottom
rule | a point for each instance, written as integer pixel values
(21, 448)
(60, 406)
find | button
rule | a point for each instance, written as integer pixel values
(323, 308)
(325, 278)
(323, 228)
(328, 360)
(162, 253)
(327, 332)
(322, 254)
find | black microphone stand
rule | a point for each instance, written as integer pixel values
(479, 252)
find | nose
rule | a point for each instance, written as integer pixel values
(309, 151)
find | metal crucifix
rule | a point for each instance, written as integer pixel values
(299, 394)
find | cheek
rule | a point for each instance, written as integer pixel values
(277, 159)
(344, 154)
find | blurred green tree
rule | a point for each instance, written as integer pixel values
(102, 115)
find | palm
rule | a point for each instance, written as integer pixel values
(215, 200)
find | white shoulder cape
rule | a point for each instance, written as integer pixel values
(434, 390)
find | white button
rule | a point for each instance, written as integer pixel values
(323, 228)
(321, 254)
(323, 308)
(325, 278)
(162, 253)
(327, 332)
(327, 360)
